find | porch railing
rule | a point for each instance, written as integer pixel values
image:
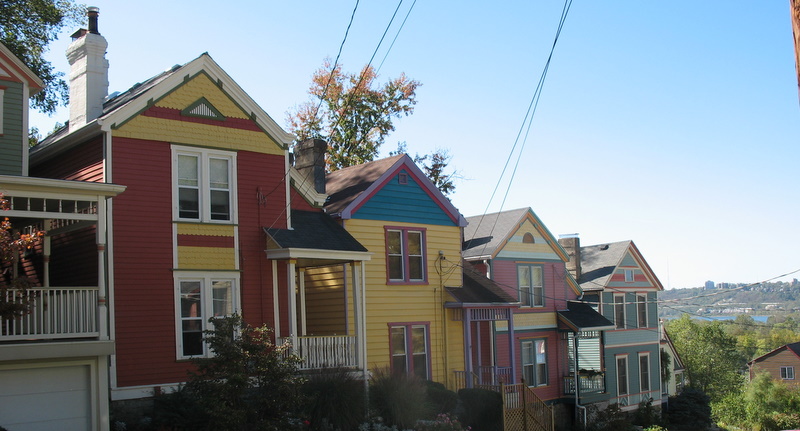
(523, 409)
(326, 351)
(484, 375)
(55, 312)
(588, 384)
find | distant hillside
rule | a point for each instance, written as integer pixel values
(766, 299)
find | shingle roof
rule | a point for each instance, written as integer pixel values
(478, 289)
(580, 316)
(346, 185)
(598, 263)
(484, 234)
(314, 230)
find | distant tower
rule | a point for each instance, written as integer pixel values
(709, 285)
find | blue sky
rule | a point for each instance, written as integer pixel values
(673, 124)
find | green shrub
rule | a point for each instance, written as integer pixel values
(334, 400)
(178, 410)
(646, 415)
(612, 418)
(481, 409)
(690, 411)
(440, 400)
(397, 398)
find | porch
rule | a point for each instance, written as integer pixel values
(54, 313)
(317, 352)
(587, 384)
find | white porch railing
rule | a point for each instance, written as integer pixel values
(326, 351)
(55, 312)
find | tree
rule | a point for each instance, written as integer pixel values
(26, 28)
(764, 404)
(434, 166)
(352, 112)
(14, 301)
(713, 365)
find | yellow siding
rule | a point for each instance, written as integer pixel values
(206, 258)
(529, 320)
(206, 229)
(540, 245)
(325, 301)
(412, 303)
(202, 86)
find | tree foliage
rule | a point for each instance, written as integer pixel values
(352, 112)
(764, 404)
(434, 165)
(26, 28)
(14, 301)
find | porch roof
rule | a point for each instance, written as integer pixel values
(580, 317)
(314, 235)
(478, 290)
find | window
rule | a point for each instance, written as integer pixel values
(619, 311)
(644, 372)
(534, 362)
(787, 373)
(628, 275)
(531, 285)
(622, 375)
(402, 178)
(405, 255)
(199, 298)
(409, 347)
(528, 238)
(204, 184)
(641, 310)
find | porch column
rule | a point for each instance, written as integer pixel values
(357, 313)
(276, 306)
(102, 295)
(468, 347)
(511, 349)
(291, 275)
(46, 245)
(301, 278)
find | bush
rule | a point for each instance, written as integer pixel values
(440, 400)
(334, 400)
(397, 398)
(646, 415)
(481, 409)
(442, 422)
(612, 418)
(178, 410)
(689, 411)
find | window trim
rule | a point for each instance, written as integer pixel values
(535, 364)
(404, 230)
(206, 280)
(785, 371)
(409, 353)
(639, 311)
(614, 304)
(531, 294)
(204, 184)
(629, 274)
(617, 358)
(644, 373)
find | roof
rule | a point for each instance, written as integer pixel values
(15, 67)
(793, 347)
(580, 316)
(598, 263)
(314, 230)
(478, 289)
(485, 235)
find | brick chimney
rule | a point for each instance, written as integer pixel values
(88, 76)
(309, 160)
(572, 245)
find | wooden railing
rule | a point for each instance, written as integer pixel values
(486, 375)
(326, 351)
(523, 409)
(588, 384)
(55, 312)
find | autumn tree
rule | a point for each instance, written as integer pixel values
(13, 300)
(353, 112)
(26, 28)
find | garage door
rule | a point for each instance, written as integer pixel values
(44, 399)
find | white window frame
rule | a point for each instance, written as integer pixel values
(530, 362)
(206, 280)
(787, 373)
(629, 275)
(627, 382)
(204, 183)
(619, 324)
(528, 295)
(641, 306)
(644, 372)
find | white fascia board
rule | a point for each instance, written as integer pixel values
(306, 188)
(58, 189)
(312, 253)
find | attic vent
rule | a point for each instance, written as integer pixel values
(203, 109)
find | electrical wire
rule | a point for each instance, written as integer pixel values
(395, 36)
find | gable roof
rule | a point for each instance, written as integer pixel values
(350, 188)
(12, 66)
(793, 347)
(598, 263)
(485, 236)
(580, 316)
(119, 108)
(478, 289)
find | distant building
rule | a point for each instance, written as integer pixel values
(709, 285)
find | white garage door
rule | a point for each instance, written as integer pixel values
(45, 399)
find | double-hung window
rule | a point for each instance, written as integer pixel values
(622, 375)
(619, 310)
(629, 275)
(409, 347)
(199, 297)
(641, 309)
(405, 255)
(204, 184)
(531, 285)
(644, 372)
(787, 373)
(534, 362)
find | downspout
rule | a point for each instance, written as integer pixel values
(577, 380)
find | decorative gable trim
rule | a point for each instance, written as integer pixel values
(643, 265)
(204, 109)
(540, 228)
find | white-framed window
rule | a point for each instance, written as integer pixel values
(644, 372)
(641, 309)
(405, 255)
(530, 283)
(629, 278)
(534, 362)
(622, 375)
(410, 345)
(198, 298)
(787, 373)
(619, 310)
(204, 184)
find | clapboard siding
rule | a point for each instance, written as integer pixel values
(11, 136)
(83, 163)
(408, 203)
(326, 301)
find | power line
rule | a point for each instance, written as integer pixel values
(395, 36)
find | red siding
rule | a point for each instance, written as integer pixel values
(83, 163)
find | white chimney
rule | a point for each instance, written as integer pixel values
(88, 76)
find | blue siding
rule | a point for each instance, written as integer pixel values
(407, 203)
